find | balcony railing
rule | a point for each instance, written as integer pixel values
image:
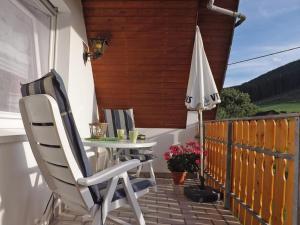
(255, 162)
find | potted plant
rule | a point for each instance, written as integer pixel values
(183, 159)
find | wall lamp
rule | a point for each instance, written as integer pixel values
(95, 50)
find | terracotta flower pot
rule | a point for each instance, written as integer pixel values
(179, 177)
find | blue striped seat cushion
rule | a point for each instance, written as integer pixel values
(119, 119)
(138, 184)
(52, 84)
(124, 119)
(141, 157)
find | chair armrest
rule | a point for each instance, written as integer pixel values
(109, 173)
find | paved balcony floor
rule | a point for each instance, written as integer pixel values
(169, 206)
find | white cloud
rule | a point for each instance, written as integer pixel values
(276, 59)
(278, 47)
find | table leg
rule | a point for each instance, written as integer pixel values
(117, 157)
(113, 160)
(113, 157)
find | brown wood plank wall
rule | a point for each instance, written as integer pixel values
(147, 63)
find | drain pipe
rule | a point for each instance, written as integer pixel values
(241, 18)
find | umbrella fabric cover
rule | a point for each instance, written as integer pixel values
(202, 93)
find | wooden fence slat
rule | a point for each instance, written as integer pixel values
(224, 163)
(213, 148)
(244, 169)
(234, 164)
(213, 153)
(221, 154)
(259, 170)
(251, 171)
(224, 150)
(220, 178)
(208, 146)
(210, 152)
(280, 180)
(217, 155)
(206, 143)
(210, 149)
(289, 194)
(268, 172)
(262, 182)
(223, 159)
(238, 167)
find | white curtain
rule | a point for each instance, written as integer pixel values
(24, 48)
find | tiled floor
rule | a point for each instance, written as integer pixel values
(169, 206)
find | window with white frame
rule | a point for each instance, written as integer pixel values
(26, 47)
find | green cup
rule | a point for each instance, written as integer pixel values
(133, 134)
(121, 134)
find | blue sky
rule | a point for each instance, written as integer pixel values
(271, 25)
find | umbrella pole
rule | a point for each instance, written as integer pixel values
(200, 193)
(200, 120)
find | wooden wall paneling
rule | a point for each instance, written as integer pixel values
(147, 64)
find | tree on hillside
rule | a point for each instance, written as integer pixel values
(235, 103)
(273, 83)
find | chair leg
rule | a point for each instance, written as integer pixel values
(152, 176)
(132, 200)
(110, 190)
(117, 221)
(138, 171)
(97, 218)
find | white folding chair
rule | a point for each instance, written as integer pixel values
(124, 119)
(60, 167)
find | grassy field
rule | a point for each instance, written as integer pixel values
(288, 107)
(288, 102)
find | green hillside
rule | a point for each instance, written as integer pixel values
(277, 90)
(273, 83)
(286, 102)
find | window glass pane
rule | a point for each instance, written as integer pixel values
(43, 25)
(24, 52)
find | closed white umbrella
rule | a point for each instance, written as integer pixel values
(202, 93)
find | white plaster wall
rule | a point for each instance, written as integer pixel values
(167, 137)
(23, 194)
(77, 76)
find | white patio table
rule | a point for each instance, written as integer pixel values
(113, 147)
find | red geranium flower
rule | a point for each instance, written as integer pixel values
(182, 158)
(167, 155)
